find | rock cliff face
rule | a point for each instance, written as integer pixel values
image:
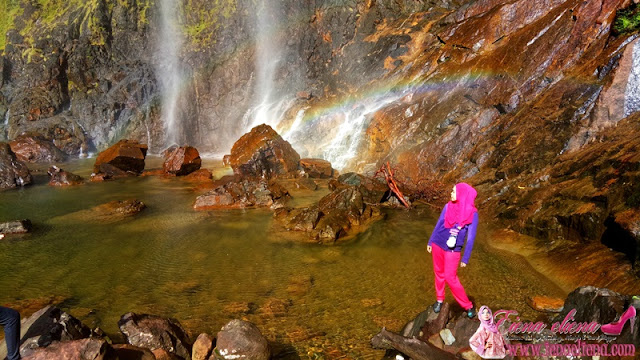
(509, 95)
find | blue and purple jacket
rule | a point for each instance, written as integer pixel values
(440, 235)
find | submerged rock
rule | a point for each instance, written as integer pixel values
(16, 227)
(32, 147)
(236, 192)
(182, 161)
(125, 158)
(336, 215)
(154, 332)
(241, 339)
(263, 153)
(13, 172)
(59, 177)
(110, 212)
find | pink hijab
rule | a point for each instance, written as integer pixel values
(488, 325)
(461, 211)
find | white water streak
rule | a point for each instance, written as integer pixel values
(168, 69)
(632, 92)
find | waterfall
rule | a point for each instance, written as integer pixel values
(6, 119)
(268, 52)
(632, 92)
(270, 105)
(169, 70)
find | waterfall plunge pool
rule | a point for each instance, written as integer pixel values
(206, 268)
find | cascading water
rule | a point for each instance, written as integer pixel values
(268, 54)
(632, 92)
(168, 68)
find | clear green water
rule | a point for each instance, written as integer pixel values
(203, 268)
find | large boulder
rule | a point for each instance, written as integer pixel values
(13, 172)
(126, 157)
(238, 192)
(263, 153)
(154, 332)
(338, 214)
(182, 161)
(59, 177)
(48, 325)
(589, 304)
(241, 339)
(83, 349)
(31, 147)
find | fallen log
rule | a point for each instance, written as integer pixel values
(412, 347)
(391, 182)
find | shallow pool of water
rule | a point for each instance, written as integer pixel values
(206, 268)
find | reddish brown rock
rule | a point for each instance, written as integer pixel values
(162, 354)
(317, 168)
(263, 153)
(153, 332)
(201, 175)
(130, 352)
(83, 349)
(237, 192)
(13, 172)
(32, 147)
(545, 303)
(182, 161)
(125, 158)
(59, 177)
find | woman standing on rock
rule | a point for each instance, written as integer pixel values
(458, 220)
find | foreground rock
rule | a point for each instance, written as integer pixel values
(125, 158)
(83, 349)
(59, 177)
(263, 153)
(13, 172)
(602, 306)
(35, 148)
(338, 214)
(241, 339)
(182, 161)
(317, 168)
(236, 192)
(202, 347)
(49, 325)
(153, 332)
(16, 227)
(131, 352)
(110, 212)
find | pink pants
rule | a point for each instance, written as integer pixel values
(445, 267)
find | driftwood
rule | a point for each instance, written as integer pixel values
(391, 182)
(412, 347)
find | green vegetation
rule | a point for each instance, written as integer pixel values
(202, 19)
(9, 9)
(627, 20)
